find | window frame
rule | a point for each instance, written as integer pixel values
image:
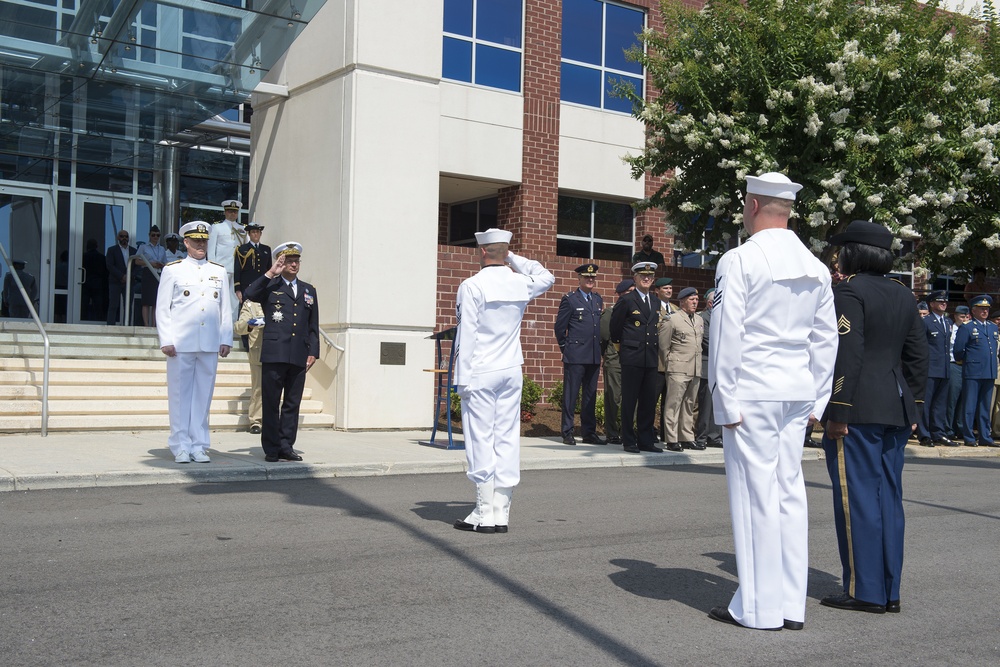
(475, 41)
(471, 241)
(628, 245)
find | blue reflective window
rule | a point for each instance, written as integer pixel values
(499, 21)
(457, 60)
(458, 17)
(581, 85)
(482, 42)
(595, 37)
(498, 68)
(581, 30)
(620, 103)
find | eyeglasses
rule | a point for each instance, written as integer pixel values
(289, 260)
(154, 236)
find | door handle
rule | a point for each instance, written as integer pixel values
(83, 276)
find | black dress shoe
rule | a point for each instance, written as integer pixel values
(715, 443)
(722, 615)
(569, 440)
(845, 601)
(501, 529)
(271, 458)
(614, 441)
(692, 445)
(674, 447)
(461, 525)
(941, 442)
(631, 449)
(255, 429)
(813, 443)
(289, 456)
(651, 448)
(972, 444)
(926, 442)
(892, 606)
(793, 625)
(593, 440)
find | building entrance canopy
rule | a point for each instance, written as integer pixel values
(140, 70)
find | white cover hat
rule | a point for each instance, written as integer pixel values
(772, 184)
(289, 248)
(493, 235)
(232, 203)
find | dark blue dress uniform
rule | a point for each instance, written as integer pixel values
(250, 263)
(878, 387)
(289, 337)
(578, 332)
(932, 428)
(976, 350)
(634, 328)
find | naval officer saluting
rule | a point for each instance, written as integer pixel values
(194, 324)
(289, 348)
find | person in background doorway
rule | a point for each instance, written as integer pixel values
(647, 254)
(153, 256)
(116, 262)
(16, 305)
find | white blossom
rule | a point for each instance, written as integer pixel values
(762, 120)
(931, 120)
(955, 246)
(813, 125)
(839, 144)
(840, 117)
(874, 200)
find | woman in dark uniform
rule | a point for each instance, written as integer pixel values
(878, 389)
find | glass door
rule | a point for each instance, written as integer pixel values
(86, 242)
(23, 225)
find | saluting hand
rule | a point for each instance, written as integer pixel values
(277, 267)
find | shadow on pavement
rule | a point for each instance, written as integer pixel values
(324, 493)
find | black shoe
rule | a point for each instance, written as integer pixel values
(971, 444)
(255, 429)
(692, 445)
(941, 442)
(793, 625)
(991, 444)
(722, 615)
(289, 456)
(926, 442)
(652, 448)
(674, 447)
(892, 606)
(569, 440)
(501, 529)
(715, 443)
(631, 449)
(592, 440)
(987, 443)
(271, 458)
(461, 525)
(845, 601)
(812, 443)
(614, 441)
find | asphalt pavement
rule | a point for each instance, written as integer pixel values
(114, 458)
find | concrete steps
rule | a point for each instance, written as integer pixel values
(113, 378)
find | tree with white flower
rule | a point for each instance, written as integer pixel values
(887, 110)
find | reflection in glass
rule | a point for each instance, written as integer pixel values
(498, 68)
(581, 30)
(574, 217)
(499, 21)
(613, 221)
(581, 85)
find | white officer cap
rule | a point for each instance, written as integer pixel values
(493, 235)
(172, 237)
(197, 229)
(232, 203)
(644, 267)
(772, 184)
(289, 248)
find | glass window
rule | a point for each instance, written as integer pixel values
(596, 37)
(482, 42)
(467, 218)
(594, 229)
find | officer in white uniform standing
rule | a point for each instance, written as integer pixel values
(490, 306)
(195, 327)
(226, 237)
(772, 349)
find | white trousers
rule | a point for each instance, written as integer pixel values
(767, 499)
(234, 303)
(190, 384)
(491, 423)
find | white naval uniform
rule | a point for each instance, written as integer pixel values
(223, 240)
(772, 349)
(192, 314)
(490, 307)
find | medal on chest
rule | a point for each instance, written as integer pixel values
(277, 316)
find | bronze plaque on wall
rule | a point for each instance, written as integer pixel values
(393, 354)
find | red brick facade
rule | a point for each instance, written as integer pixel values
(530, 209)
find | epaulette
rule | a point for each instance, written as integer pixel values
(176, 261)
(897, 280)
(848, 278)
(216, 263)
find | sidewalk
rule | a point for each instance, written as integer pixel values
(81, 460)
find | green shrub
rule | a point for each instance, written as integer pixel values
(599, 408)
(556, 397)
(456, 406)
(531, 393)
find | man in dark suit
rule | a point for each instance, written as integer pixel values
(976, 349)
(252, 259)
(115, 260)
(290, 347)
(932, 428)
(634, 321)
(578, 332)
(95, 286)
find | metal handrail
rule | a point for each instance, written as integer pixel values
(329, 341)
(128, 284)
(45, 340)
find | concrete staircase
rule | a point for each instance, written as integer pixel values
(111, 378)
